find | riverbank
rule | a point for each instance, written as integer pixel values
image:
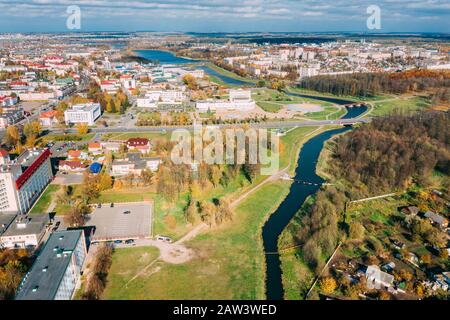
(297, 276)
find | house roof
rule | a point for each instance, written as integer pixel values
(94, 145)
(373, 273)
(74, 153)
(136, 142)
(72, 164)
(95, 167)
(436, 217)
(48, 114)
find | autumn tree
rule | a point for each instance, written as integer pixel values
(12, 136)
(328, 285)
(31, 131)
(82, 128)
(190, 81)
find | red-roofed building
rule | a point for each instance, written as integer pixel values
(141, 144)
(73, 154)
(94, 146)
(48, 118)
(71, 166)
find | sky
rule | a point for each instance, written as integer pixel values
(225, 15)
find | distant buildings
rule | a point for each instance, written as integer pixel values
(83, 113)
(153, 98)
(23, 179)
(56, 271)
(240, 100)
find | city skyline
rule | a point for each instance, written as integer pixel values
(225, 16)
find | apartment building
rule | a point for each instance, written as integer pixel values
(23, 179)
(239, 99)
(56, 271)
(83, 113)
(151, 99)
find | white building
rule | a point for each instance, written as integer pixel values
(83, 113)
(23, 179)
(151, 99)
(240, 100)
(24, 232)
(134, 164)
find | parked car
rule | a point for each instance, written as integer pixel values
(163, 239)
(112, 205)
(129, 241)
(99, 205)
(118, 241)
(127, 212)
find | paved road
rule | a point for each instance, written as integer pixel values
(274, 124)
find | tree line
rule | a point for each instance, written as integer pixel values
(371, 84)
(387, 155)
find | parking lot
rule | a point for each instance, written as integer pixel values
(112, 223)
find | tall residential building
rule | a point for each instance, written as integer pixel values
(23, 179)
(83, 113)
(57, 269)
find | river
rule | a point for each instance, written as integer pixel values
(298, 192)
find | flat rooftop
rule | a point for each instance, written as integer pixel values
(42, 281)
(5, 220)
(27, 157)
(27, 225)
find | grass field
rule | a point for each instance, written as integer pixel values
(228, 73)
(126, 263)
(229, 260)
(402, 104)
(352, 98)
(44, 201)
(128, 135)
(61, 137)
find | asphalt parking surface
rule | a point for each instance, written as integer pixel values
(112, 224)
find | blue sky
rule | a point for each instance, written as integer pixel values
(225, 15)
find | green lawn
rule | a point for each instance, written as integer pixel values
(67, 137)
(128, 135)
(44, 201)
(327, 110)
(126, 263)
(409, 104)
(269, 106)
(228, 262)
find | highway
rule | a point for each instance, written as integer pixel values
(268, 125)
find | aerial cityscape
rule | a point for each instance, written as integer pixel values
(176, 160)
